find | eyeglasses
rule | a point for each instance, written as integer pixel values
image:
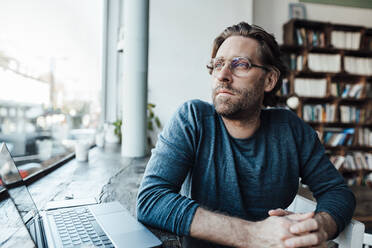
(239, 66)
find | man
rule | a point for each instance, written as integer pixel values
(236, 161)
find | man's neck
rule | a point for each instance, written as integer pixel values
(242, 129)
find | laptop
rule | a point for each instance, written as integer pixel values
(90, 225)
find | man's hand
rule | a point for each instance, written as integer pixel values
(312, 232)
(274, 231)
(236, 232)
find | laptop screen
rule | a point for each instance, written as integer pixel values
(16, 187)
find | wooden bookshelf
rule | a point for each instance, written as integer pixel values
(330, 72)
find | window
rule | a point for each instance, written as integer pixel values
(50, 78)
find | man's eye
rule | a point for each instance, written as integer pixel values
(240, 64)
(218, 64)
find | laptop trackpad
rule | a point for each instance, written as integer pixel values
(136, 240)
(119, 222)
(125, 231)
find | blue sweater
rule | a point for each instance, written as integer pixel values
(240, 177)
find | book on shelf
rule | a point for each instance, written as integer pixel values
(360, 161)
(308, 113)
(319, 62)
(358, 65)
(330, 112)
(336, 89)
(364, 137)
(293, 62)
(309, 37)
(300, 62)
(353, 161)
(338, 136)
(284, 90)
(319, 112)
(349, 114)
(322, 39)
(345, 40)
(350, 162)
(337, 161)
(300, 38)
(310, 87)
(345, 90)
(368, 157)
(355, 90)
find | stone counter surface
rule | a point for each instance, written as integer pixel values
(123, 187)
(106, 177)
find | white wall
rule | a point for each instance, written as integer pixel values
(272, 14)
(180, 43)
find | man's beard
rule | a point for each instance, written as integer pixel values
(244, 105)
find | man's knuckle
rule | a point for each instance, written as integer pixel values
(316, 239)
(316, 224)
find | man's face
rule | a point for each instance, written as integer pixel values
(238, 97)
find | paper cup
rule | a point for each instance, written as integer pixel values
(81, 151)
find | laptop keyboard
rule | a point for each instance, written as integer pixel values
(77, 227)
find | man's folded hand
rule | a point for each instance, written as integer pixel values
(275, 230)
(308, 232)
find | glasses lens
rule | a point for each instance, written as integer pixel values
(217, 64)
(240, 66)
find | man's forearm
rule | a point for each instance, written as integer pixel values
(218, 228)
(328, 223)
(231, 231)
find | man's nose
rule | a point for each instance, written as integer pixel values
(225, 75)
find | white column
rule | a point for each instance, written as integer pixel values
(134, 128)
(110, 59)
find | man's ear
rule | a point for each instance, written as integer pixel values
(271, 79)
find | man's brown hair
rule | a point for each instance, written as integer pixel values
(269, 52)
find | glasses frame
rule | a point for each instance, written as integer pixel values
(212, 69)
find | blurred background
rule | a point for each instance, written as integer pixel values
(50, 77)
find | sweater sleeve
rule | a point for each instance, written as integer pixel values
(326, 183)
(159, 203)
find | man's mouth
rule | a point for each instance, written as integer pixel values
(224, 92)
